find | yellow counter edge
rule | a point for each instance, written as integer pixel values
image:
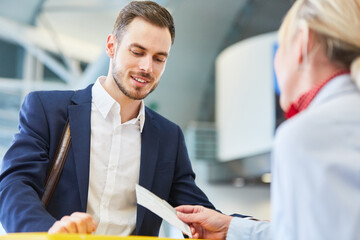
(45, 236)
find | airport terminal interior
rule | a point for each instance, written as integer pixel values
(218, 85)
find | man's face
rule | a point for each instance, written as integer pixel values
(140, 58)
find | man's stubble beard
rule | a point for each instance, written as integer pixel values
(119, 75)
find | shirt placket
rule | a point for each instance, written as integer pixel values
(110, 183)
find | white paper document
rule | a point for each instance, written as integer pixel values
(161, 208)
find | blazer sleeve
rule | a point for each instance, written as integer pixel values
(184, 190)
(24, 170)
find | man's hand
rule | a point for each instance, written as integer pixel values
(204, 223)
(75, 223)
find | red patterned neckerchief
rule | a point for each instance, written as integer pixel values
(304, 100)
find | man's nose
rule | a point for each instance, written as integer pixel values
(146, 64)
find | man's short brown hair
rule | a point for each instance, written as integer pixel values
(149, 11)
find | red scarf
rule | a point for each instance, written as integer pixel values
(304, 100)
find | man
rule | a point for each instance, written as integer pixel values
(116, 143)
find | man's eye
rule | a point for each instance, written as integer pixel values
(160, 59)
(136, 53)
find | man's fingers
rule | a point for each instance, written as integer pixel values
(85, 222)
(76, 223)
(80, 223)
(58, 227)
(63, 226)
(93, 226)
(69, 224)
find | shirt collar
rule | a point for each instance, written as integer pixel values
(141, 115)
(104, 102)
(101, 98)
(305, 99)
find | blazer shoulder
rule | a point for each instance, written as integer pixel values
(56, 98)
(50, 97)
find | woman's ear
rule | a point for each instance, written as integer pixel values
(111, 45)
(303, 44)
(306, 45)
(310, 44)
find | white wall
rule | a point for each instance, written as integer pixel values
(245, 104)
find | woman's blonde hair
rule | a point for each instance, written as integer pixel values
(337, 25)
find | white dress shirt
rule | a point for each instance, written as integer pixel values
(114, 164)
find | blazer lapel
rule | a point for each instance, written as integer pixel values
(149, 155)
(79, 120)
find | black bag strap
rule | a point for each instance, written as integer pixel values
(57, 164)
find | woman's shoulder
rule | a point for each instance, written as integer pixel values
(301, 128)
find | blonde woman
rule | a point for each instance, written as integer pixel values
(316, 155)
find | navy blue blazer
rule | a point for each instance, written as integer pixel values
(165, 167)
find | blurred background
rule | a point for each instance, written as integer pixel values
(219, 83)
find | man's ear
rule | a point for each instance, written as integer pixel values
(111, 45)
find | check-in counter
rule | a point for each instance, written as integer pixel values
(45, 236)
